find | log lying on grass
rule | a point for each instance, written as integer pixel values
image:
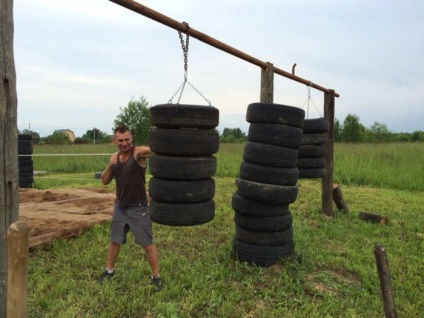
(374, 218)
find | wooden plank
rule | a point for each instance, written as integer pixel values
(327, 181)
(9, 200)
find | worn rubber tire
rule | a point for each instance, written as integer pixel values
(263, 223)
(316, 139)
(184, 142)
(182, 168)
(264, 238)
(266, 193)
(260, 255)
(24, 151)
(315, 125)
(270, 155)
(181, 214)
(24, 137)
(251, 208)
(307, 163)
(181, 191)
(271, 175)
(311, 173)
(26, 179)
(277, 135)
(184, 116)
(312, 151)
(275, 114)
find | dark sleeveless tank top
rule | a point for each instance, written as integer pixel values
(130, 183)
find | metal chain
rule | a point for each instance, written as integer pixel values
(185, 48)
(308, 101)
(180, 89)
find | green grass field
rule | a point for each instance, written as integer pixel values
(332, 274)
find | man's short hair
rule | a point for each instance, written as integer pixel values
(121, 129)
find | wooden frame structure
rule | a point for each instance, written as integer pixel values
(9, 201)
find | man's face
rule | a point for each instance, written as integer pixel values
(123, 141)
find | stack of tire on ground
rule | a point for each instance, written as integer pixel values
(312, 151)
(267, 184)
(184, 141)
(26, 168)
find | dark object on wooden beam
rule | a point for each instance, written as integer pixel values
(374, 218)
(385, 281)
(338, 198)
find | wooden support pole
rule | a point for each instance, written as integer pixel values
(385, 281)
(9, 198)
(267, 84)
(327, 180)
(17, 241)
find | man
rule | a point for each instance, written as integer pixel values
(128, 166)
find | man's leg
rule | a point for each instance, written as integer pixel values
(152, 258)
(112, 254)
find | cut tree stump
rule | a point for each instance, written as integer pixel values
(374, 218)
(338, 198)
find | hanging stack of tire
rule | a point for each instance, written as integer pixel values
(267, 184)
(184, 141)
(26, 168)
(312, 151)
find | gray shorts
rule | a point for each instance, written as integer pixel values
(135, 219)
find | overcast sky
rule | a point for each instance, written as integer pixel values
(79, 61)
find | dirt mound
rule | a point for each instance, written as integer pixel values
(62, 213)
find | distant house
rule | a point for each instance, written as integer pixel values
(67, 132)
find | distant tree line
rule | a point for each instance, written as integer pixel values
(136, 115)
(351, 130)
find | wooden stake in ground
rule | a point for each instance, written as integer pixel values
(385, 281)
(17, 241)
(338, 198)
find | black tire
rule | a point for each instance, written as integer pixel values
(184, 142)
(264, 238)
(26, 179)
(24, 144)
(181, 191)
(24, 137)
(266, 193)
(26, 174)
(271, 175)
(256, 209)
(270, 155)
(182, 168)
(312, 151)
(315, 125)
(277, 135)
(264, 224)
(181, 214)
(314, 139)
(311, 173)
(275, 114)
(24, 151)
(310, 163)
(184, 116)
(25, 185)
(260, 255)
(24, 160)
(25, 169)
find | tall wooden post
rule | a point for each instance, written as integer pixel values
(17, 288)
(8, 143)
(327, 181)
(267, 84)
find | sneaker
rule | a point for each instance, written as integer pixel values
(157, 282)
(105, 276)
